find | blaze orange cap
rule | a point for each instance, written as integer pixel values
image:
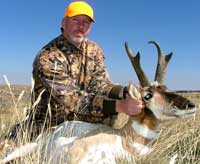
(79, 8)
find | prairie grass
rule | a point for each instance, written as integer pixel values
(179, 139)
(14, 103)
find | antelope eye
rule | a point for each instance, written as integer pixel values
(148, 96)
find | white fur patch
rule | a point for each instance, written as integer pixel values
(158, 112)
(56, 149)
(74, 128)
(144, 131)
(185, 113)
(106, 153)
(170, 114)
(163, 114)
(141, 149)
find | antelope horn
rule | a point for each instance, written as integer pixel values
(162, 63)
(135, 61)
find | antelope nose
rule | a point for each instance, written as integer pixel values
(191, 105)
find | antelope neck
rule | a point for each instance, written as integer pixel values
(144, 131)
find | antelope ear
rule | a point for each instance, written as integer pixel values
(120, 120)
(134, 90)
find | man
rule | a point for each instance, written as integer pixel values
(71, 79)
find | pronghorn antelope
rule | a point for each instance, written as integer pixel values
(75, 142)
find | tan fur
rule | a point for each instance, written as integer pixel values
(82, 146)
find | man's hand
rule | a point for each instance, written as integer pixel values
(129, 106)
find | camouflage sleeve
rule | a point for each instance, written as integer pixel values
(105, 91)
(51, 68)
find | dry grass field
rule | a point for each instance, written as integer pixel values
(180, 139)
(14, 102)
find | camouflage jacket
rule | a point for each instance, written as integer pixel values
(72, 83)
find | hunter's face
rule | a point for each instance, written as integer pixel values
(76, 28)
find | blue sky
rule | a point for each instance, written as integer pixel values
(26, 26)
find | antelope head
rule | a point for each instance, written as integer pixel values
(159, 101)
